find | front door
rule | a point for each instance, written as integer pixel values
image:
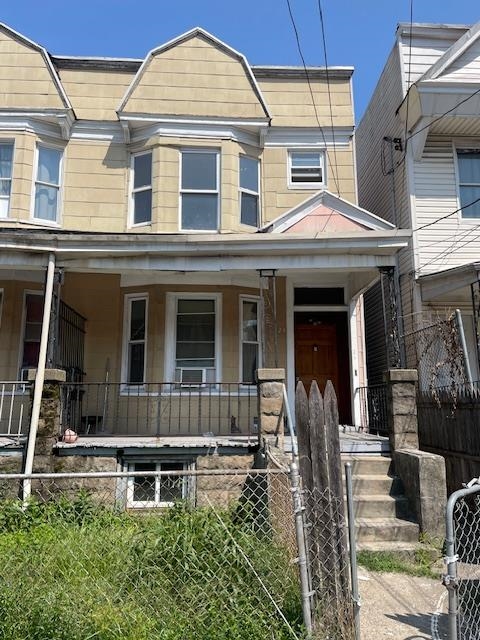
(321, 354)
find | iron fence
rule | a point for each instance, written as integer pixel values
(463, 563)
(147, 555)
(160, 409)
(15, 405)
(374, 409)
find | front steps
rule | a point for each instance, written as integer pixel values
(382, 517)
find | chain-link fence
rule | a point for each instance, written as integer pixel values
(463, 563)
(167, 555)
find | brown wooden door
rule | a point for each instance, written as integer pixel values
(319, 355)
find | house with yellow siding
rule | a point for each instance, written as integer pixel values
(181, 222)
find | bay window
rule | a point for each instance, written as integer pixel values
(249, 191)
(142, 188)
(47, 184)
(199, 190)
(6, 161)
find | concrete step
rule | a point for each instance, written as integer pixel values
(386, 530)
(380, 506)
(369, 465)
(376, 485)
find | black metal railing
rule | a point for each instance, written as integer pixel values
(160, 409)
(373, 409)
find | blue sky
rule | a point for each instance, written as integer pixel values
(358, 33)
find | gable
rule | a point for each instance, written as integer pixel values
(196, 76)
(325, 212)
(26, 76)
(466, 66)
(322, 219)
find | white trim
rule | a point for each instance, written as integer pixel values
(202, 129)
(8, 141)
(242, 299)
(187, 464)
(315, 185)
(456, 145)
(182, 191)
(127, 312)
(59, 187)
(242, 190)
(308, 138)
(354, 361)
(171, 307)
(453, 53)
(131, 190)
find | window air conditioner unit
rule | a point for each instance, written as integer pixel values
(192, 377)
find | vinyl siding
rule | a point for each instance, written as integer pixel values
(25, 78)
(466, 67)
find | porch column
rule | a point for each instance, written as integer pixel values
(390, 300)
(269, 326)
(270, 406)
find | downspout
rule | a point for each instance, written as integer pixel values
(39, 377)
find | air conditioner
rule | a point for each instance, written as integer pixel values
(192, 377)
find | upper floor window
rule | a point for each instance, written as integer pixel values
(199, 190)
(142, 188)
(306, 169)
(47, 184)
(6, 160)
(469, 181)
(249, 192)
(135, 340)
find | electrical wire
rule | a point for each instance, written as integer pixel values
(320, 11)
(448, 215)
(299, 47)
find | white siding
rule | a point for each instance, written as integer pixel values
(467, 66)
(449, 242)
(374, 189)
(424, 53)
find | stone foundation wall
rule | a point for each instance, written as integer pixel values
(221, 490)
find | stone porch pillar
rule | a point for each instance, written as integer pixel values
(402, 408)
(270, 406)
(49, 422)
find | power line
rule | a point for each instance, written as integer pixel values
(452, 213)
(311, 92)
(328, 84)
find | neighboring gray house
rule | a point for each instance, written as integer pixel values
(418, 159)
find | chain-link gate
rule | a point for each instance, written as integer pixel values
(463, 563)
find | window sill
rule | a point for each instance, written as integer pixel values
(38, 222)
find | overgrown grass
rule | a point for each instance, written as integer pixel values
(421, 562)
(72, 570)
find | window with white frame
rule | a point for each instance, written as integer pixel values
(6, 163)
(306, 169)
(47, 184)
(199, 191)
(195, 350)
(249, 191)
(250, 338)
(32, 331)
(135, 340)
(469, 181)
(150, 489)
(142, 188)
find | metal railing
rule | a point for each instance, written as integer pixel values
(15, 405)
(373, 409)
(160, 409)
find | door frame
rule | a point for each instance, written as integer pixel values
(348, 308)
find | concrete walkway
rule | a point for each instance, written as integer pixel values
(399, 607)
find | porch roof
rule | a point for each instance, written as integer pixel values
(442, 283)
(201, 252)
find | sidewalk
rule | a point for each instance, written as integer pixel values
(401, 607)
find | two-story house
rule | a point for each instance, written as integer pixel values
(418, 158)
(186, 218)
